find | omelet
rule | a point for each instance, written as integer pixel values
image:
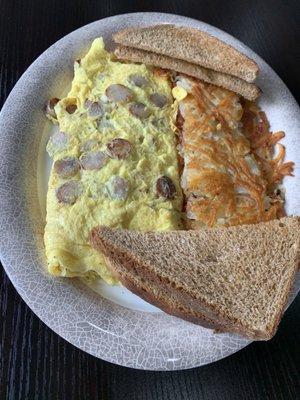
(115, 161)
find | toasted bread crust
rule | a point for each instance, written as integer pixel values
(164, 306)
(157, 287)
(159, 301)
(248, 90)
(164, 296)
(191, 45)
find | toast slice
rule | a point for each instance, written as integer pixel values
(248, 90)
(191, 45)
(155, 294)
(235, 279)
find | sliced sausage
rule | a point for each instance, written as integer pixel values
(119, 148)
(58, 142)
(139, 110)
(50, 107)
(71, 108)
(66, 167)
(165, 187)
(118, 93)
(88, 145)
(69, 192)
(94, 108)
(94, 160)
(138, 80)
(159, 100)
(118, 188)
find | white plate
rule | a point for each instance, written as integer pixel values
(118, 327)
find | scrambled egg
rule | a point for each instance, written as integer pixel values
(115, 160)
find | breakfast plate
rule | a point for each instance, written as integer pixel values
(108, 322)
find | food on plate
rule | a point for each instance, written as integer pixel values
(179, 149)
(49, 109)
(230, 176)
(234, 280)
(115, 142)
(191, 45)
(248, 90)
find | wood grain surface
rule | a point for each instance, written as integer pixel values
(35, 363)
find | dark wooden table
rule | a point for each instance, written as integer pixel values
(35, 363)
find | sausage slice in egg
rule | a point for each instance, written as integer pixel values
(159, 100)
(69, 192)
(71, 108)
(66, 167)
(165, 187)
(49, 109)
(139, 110)
(58, 142)
(118, 188)
(94, 108)
(118, 93)
(138, 80)
(94, 160)
(119, 148)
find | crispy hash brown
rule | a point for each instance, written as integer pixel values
(230, 174)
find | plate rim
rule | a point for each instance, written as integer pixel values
(5, 111)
